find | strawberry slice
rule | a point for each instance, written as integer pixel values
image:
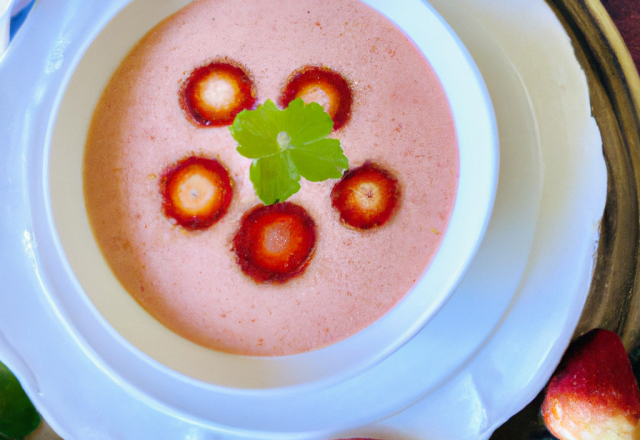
(324, 86)
(215, 93)
(593, 394)
(196, 191)
(275, 242)
(366, 197)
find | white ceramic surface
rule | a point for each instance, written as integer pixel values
(5, 19)
(487, 352)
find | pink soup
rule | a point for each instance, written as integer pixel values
(190, 281)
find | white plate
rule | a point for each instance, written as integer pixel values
(310, 407)
(485, 354)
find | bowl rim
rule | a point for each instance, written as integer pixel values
(113, 345)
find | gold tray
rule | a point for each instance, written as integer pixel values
(614, 298)
(613, 302)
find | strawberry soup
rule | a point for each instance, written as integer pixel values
(190, 280)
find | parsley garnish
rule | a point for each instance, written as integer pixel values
(286, 144)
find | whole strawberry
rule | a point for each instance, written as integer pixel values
(593, 394)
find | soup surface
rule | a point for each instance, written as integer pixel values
(190, 280)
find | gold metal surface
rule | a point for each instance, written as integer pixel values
(614, 297)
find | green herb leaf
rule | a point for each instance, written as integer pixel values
(18, 417)
(320, 160)
(274, 178)
(286, 144)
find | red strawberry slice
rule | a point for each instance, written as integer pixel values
(215, 93)
(275, 242)
(593, 395)
(366, 197)
(197, 192)
(324, 86)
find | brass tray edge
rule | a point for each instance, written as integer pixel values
(613, 301)
(614, 296)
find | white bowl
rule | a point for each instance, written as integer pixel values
(112, 314)
(128, 341)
